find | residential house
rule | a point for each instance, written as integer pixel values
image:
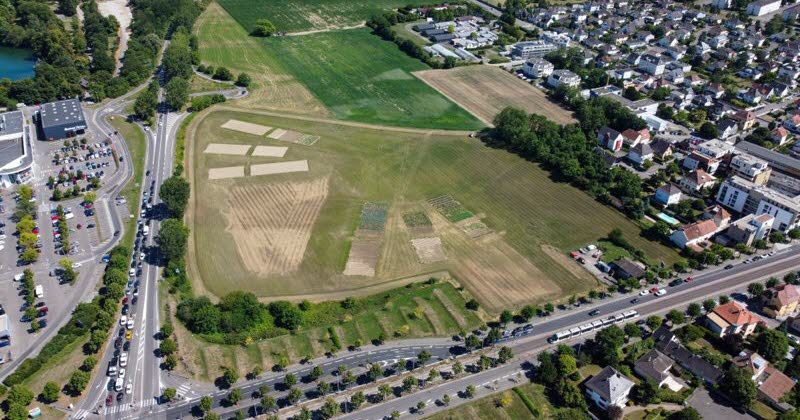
(750, 228)
(721, 4)
(727, 128)
(633, 137)
(668, 194)
(697, 180)
(563, 77)
(625, 269)
(662, 149)
(780, 301)
(609, 387)
(537, 68)
(656, 366)
(668, 343)
(692, 234)
(755, 170)
(652, 64)
(762, 7)
(610, 138)
(640, 154)
(772, 384)
(700, 161)
(731, 318)
(779, 136)
(792, 123)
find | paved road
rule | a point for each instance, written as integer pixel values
(710, 284)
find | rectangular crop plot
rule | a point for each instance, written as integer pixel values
(293, 137)
(363, 257)
(246, 127)
(228, 172)
(373, 216)
(279, 168)
(227, 149)
(429, 250)
(416, 220)
(450, 208)
(269, 151)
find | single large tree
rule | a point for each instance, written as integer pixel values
(175, 194)
(172, 239)
(773, 345)
(738, 386)
(177, 93)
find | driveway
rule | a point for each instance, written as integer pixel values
(713, 407)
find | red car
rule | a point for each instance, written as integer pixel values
(109, 400)
(688, 279)
(654, 290)
(124, 300)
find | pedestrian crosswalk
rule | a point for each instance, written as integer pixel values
(184, 389)
(122, 408)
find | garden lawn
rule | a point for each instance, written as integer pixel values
(362, 78)
(303, 15)
(487, 407)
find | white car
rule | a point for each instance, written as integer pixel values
(121, 373)
(123, 319)
(130, 324)
(644, 292)
(128, 387)
(123, 359)
(76, 265)
(141, 255)
(661, 292)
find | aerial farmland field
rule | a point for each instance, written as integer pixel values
(502, 232)
(304, 15)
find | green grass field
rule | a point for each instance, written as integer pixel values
(134, 139)
(487, 407)
(303, 15)
(387, 313)
(513, 196)
(360, 77)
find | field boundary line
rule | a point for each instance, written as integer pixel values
(331, 29)
(453, 100)
(346, 123)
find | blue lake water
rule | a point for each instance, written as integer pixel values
(16, 63)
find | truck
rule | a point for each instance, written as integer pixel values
(39, 291)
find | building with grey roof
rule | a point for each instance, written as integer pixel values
(609, 387)
(16, 158)
(61, 119)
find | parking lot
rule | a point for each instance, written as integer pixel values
(74, 168)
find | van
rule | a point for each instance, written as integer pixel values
(39, 291)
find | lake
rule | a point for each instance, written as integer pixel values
(16, 63)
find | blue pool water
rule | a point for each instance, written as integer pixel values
(16, 63)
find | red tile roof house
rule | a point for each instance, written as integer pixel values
(732, 318)
(697, 180)
(780, 136)
(780, 301)
(693, 234)
(633, 137)
(772, 384)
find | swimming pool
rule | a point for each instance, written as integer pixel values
(669, 219)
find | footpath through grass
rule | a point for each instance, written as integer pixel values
(303, 15)
(360, 77)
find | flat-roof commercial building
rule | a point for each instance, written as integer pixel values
(61, 119)
(16, 158)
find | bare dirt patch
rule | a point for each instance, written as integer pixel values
(429, 250)
(279, 168)
(246, 127)
(485, 90)
(120, 10)
(293, 137)
(271, 223)
(227, 149)
(270, 151)
(227, 172)
(363, 257)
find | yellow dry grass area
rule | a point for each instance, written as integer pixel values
(485, 90)
(246, 127)
(271, 223)
(568, 263)
(223, 42)
(279, 168)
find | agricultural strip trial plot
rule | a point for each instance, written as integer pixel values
(227, 149)
(303, 15)
(366, 246)
(227, 172)
(279, 168)
(360, 77)
(269, 151)
(429, 250)
(246, 127)
(271, 223)
(293, 137)
(485, 90)
(508, 267)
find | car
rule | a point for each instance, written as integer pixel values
(729, 266)
(126, 346)
(644, 293)
(123, 320)
(141, 255)
(661, 292)
(125, 310)
(39, 304)
(120, 396)
(594, 312)
(117, 343)
(654, 289)
(129, 335)
(688, 279)
(121, 374)
(76, 265)
(635, 300)
(128, 388)
(130, 324)
(123, 360)
(109, 400)
(675, 282)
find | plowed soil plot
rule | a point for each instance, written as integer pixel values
(279, 168)
(363, 257)
(429, 250)
(485, 90)
(293, 137)
(223, 173)
(227, 149)
(246, 127)
(270, 151)
(271, 223)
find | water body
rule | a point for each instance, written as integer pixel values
(16, 63)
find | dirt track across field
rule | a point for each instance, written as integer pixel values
(485, 90)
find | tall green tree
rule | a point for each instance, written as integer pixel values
(174, 193)
(177, 93)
